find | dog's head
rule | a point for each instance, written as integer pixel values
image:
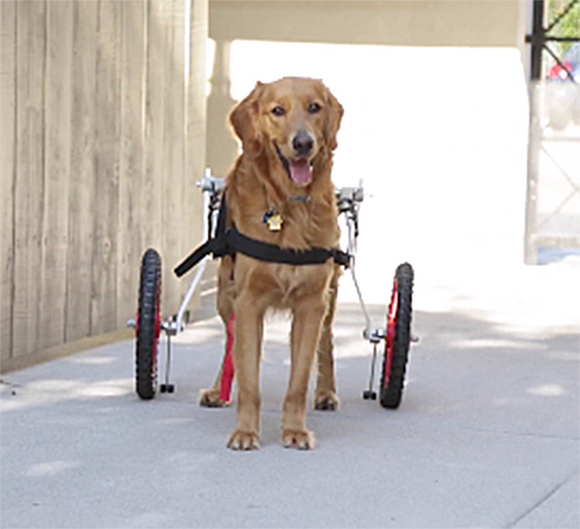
(294, 120)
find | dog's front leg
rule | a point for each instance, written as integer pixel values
(247, 352)
(305, 335)
(326, 398)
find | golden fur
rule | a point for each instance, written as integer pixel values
(270, 118)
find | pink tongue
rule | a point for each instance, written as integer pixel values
(301, 172)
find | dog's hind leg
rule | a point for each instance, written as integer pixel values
(219, 395)
(210, 398)
(325, 397)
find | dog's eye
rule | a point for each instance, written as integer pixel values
(314, 108)
(278, 111)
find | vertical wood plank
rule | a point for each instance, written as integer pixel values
(154, 124)
(82, 170)
(7, 170)
(195, 126)
(195, 148)
(57, 146)
(106, 218)
(173, 148)
(29, 183)
(131, 174)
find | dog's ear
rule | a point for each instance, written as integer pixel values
(244, 120)
(333, 119)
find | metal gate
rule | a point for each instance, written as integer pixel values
(553, 195)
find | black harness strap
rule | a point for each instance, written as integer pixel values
(228, 241)
(232, 241)
(217, 246)
(273, 253)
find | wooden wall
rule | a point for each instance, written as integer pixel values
(102, 141)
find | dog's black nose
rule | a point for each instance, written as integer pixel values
(302, 144)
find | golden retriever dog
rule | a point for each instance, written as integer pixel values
(280, 192)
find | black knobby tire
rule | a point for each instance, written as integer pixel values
(148, 325)
(395, 360)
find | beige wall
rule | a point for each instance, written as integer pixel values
(386, 22)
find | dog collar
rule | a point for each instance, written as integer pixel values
(274, 220)
(300, 198)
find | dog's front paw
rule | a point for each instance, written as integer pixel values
(301, 439)
(210, 398)
(241, 440)
(326, 401)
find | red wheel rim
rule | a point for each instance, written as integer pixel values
(390, 334)
(157, 329)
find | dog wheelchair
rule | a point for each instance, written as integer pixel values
(149, 325)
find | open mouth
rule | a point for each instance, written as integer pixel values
(299, 171)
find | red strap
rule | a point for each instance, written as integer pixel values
(228, 363)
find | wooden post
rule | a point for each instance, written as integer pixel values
(132, 213)
(82, 171)
(8, 170)
(29, 181)
(57, 145)
(106, 192)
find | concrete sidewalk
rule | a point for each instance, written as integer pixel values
(487, 434)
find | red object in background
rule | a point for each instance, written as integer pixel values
(228, 364)
(557, 72)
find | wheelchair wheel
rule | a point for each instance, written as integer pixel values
(398, 337)
(148, 325)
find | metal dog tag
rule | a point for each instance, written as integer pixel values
(274, 222)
